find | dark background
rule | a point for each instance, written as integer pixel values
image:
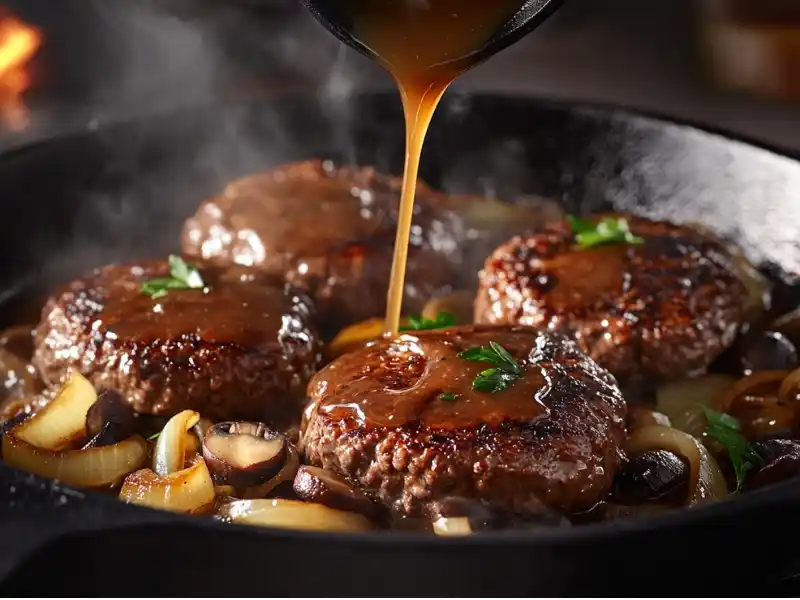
(110, 58)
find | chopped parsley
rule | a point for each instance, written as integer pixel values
(727, 431)
(606, 231)
(448, 396)
(504, 372)
(182, 276)
(420, 323)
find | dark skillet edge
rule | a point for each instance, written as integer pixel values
(98, 512)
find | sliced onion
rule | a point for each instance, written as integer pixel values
(62, 421)
(292, 514)
(287, 473)
(171, 447)
(94, 467)
(680, 400)
(186, 490)
(641, 416)
(706, 481)
(747, 385)
(355, 336)
(759, 289)
(452, 526)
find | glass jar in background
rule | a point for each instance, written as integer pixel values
(754, 45)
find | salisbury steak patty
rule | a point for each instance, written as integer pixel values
(329, 230)
(401, 420)
(242, 348)
(664, 308)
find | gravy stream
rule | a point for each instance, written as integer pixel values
(425, 45)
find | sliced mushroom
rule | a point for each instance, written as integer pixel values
(653, 477)
(243, 454)
(780, 461)
(291, 514)
(109, 420)
(767, 351)
(313, 484)
(286, 474)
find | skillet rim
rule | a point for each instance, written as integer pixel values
(774, 495)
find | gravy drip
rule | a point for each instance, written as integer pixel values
(425, 45)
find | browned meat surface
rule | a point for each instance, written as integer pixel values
(244, 348)
(665, 308)
(330, 230)
(550, 441)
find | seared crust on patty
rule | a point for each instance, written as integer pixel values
(243, 348)
(666, 308)
(329, 230)
(551, 440)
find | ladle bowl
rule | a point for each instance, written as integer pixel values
(530, 15)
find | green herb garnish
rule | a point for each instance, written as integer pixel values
(448, 396)
(607, 231)
(154, 436)
(727, 431)
(420, 323)
(505, 369)
(182, 276)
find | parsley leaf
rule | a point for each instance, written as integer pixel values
(505, 369)
(607, 231)
(182, 276)
(727, 431)
(448, 396)
(420, 323)
(154, 436)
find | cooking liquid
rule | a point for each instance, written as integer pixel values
(425, 45)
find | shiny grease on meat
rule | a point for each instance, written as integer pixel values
(401, 419)
(242, 348)
(329, 230)
(666, 308)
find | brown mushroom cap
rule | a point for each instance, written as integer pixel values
(243, 454)
(110, 419)
(313, 484)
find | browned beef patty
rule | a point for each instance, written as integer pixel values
(666, 308)
(400, 419)
(329, 230)
(243, 348)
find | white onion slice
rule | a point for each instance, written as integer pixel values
(292, 514)
(680, 400)
(170, 453)
(94, 467)
(63, 420)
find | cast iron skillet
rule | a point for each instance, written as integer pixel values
(121, 192)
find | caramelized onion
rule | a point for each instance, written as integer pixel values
(680, 400)
(186, 490)
(355, 336)
(706, 481)
(452, 526)
(173, 443)
(62, 421)
(755, 401)
(292, 514)
(93, 467)
(641, 416)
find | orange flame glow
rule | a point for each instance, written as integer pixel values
(18, 44)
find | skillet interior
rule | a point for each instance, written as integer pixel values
(123, 191)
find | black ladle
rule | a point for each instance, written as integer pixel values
(530, 15)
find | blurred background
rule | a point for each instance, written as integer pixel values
(65, 64)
